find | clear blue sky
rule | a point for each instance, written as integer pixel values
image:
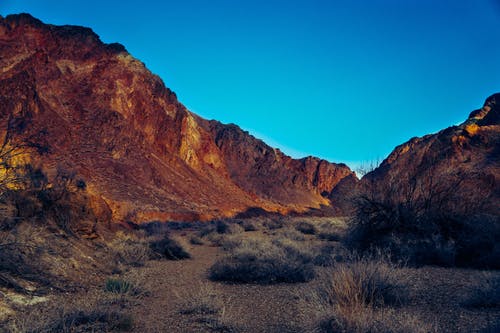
(343, 80)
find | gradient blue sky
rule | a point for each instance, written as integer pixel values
(342, 80)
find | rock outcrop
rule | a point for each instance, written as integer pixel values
(456, 169)
(143, 155)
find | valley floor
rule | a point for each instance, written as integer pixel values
(178, 296)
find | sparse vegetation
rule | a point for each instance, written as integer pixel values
(262, 262)
(419, 220)
(358, 296)
(306, 228)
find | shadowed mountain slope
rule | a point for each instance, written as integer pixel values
(142, 154)
(456, 170)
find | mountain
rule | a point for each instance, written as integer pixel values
(103, 115)
(456, 170)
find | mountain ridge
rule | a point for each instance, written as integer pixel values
(142, 153)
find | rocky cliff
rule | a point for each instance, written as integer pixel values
(143, 155)
(456, 169)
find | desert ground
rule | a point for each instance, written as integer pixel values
(269, 274)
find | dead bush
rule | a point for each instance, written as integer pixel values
(132, 252)
(364, 320)
(169, 248)
(306, 228)
(357, 295)
(202, 300)
(365, 282)
(291, 234)
(91, 313)
(273, 224)
(262, 262)
(249, 225)
(195, 240)
(330, 231)
(92, 321)
(419, 220)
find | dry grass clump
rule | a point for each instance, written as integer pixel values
(98, 320)
(366, 282)
(169, 248)
(195, 240)
(306, 228)
(367, 320)
(216, 232)
(207, 308)
(134, 252)
(358, 296)
(273, 224)
(291, 234)
(263, 262)
(202, 300)
(93, 313)
(331, 231)
(249, 225)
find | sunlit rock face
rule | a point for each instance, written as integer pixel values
(459, 166)
(143, 155)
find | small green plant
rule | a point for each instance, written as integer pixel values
(118, 286)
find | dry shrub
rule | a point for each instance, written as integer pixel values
(202, 300)
(21, 252)
(434, 218)
(329, 255)
(92, 313)
(262, 262)
(273, 224)
(169, 248)
(366, 282)
(368, 320)
(306, 228)
(330, 231)
(356, 297)
(195, 240)
(132, 252)
(207, 308)
(249, 225)
(291, 234)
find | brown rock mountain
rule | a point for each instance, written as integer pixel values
(456, 170)
(142, 154)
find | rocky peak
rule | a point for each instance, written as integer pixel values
(489, 113)
(141, 152)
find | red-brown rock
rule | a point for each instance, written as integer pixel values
(142, 154)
